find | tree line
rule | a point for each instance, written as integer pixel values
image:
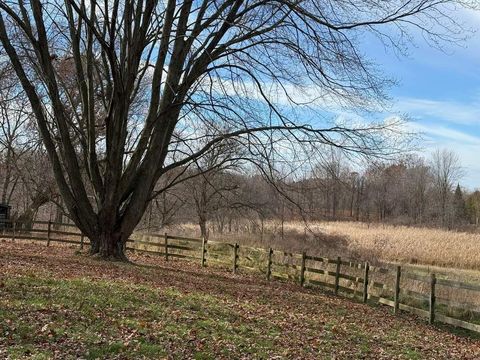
(411, 191)
(221, 190)
(220, 194)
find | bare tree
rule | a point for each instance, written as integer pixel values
(473, 207)
(331, 174)
(147, 72)
(165, 208)
(418, 185)
(24, 165)
(446, 171)
(13, 121)
(211, 183)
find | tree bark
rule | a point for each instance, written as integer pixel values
(109, 246)
(202, 222)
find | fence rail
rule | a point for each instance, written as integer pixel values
(426, 296)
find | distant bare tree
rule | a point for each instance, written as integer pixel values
(24, 175)
(473, 207)
(13, 120)
(418, 185)
(331, 174)
(210, 189)
(446, 171)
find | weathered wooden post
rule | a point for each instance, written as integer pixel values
(166, 247)
(365, 282)
(14, 230)
(269, 263)
(433, 281)
(396, 307)
(204, 251)
(124, 246)
(49, 232)
(337, 275)
(81, 241)
(302, 269)
(235, 258)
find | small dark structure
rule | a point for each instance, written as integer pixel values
(4, 216)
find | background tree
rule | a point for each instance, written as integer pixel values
(211, 184)
(459, 208)
(13, 120)
(446, 170)
(26, 181)
(473, 207)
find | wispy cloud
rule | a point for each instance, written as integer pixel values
(466, 145)
(447, 111)
(445, 133)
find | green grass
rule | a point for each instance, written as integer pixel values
(182, 311)
(108, 318)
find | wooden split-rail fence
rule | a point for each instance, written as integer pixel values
(435, 298)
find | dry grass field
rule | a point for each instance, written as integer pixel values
(407, 244)
(372, 242)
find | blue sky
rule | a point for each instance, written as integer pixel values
(440, 91)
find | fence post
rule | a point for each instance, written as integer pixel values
(302, 269)
(124, 245)
(433, 281)
(14, 229)
(204, 251)
(365, 283)
(49, 230)
(396, 308)
(235, 257)
(166, 247)
(269, 263)
(337, 275)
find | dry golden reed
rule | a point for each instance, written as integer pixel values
(402, 244)
(408, 244)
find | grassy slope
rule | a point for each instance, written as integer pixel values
(54, 304)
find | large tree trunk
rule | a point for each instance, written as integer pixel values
(108, 239)
(109, 246)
